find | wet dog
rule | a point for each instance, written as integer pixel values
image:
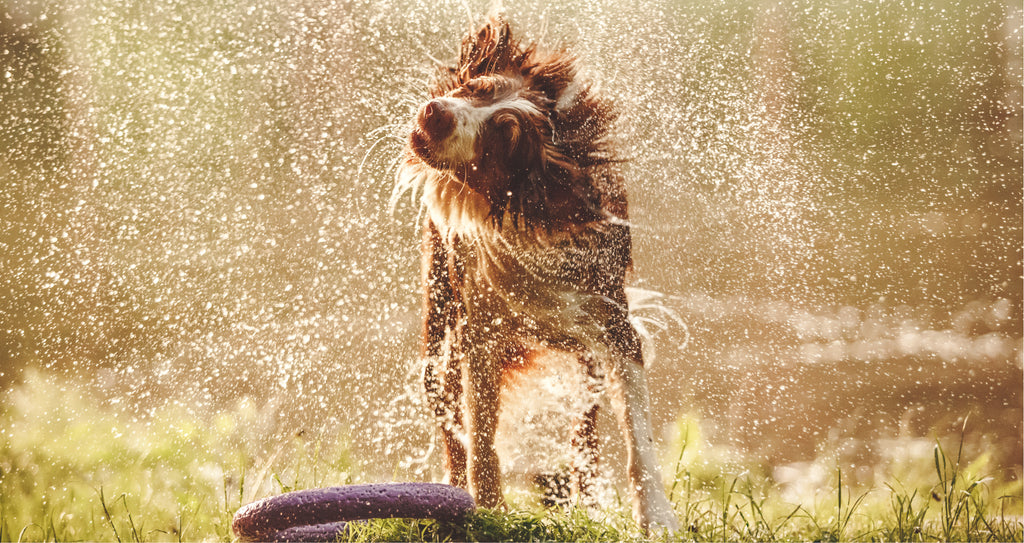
(526, 247)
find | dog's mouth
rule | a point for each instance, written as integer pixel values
(431, 151)
(423, 146)
(419, 142)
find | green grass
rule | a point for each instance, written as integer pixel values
(72, 469)
(75, 470)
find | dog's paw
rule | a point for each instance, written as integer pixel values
(656, 517)
(664, 527)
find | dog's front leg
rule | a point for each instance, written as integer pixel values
(628, 389)
(481, 382)
(584, 440)
(442, 380)
(651, 508)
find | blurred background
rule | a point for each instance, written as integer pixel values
(827, 194)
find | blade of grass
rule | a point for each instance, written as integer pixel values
(106, 514)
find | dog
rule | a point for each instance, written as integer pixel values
(526, 247)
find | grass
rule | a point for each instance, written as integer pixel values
(75, 470)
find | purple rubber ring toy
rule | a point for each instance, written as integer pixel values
(322, 514)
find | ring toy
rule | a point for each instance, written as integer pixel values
(321, 514)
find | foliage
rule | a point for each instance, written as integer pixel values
(72, 469)
(76, 470)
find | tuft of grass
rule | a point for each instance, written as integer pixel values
(965, 502)
(952, 502)
(836, 529)
(907, 517)
(494, 525)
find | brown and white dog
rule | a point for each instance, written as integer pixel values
(525, 251)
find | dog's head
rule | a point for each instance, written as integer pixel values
(515, 126)
(490, 131)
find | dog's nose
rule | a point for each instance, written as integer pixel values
(436, 119)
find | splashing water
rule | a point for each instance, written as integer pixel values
(195, 208)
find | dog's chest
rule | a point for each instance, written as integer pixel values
(538, 290)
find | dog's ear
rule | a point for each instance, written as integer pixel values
(509, 126)
(492, 49)
(553, 75)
